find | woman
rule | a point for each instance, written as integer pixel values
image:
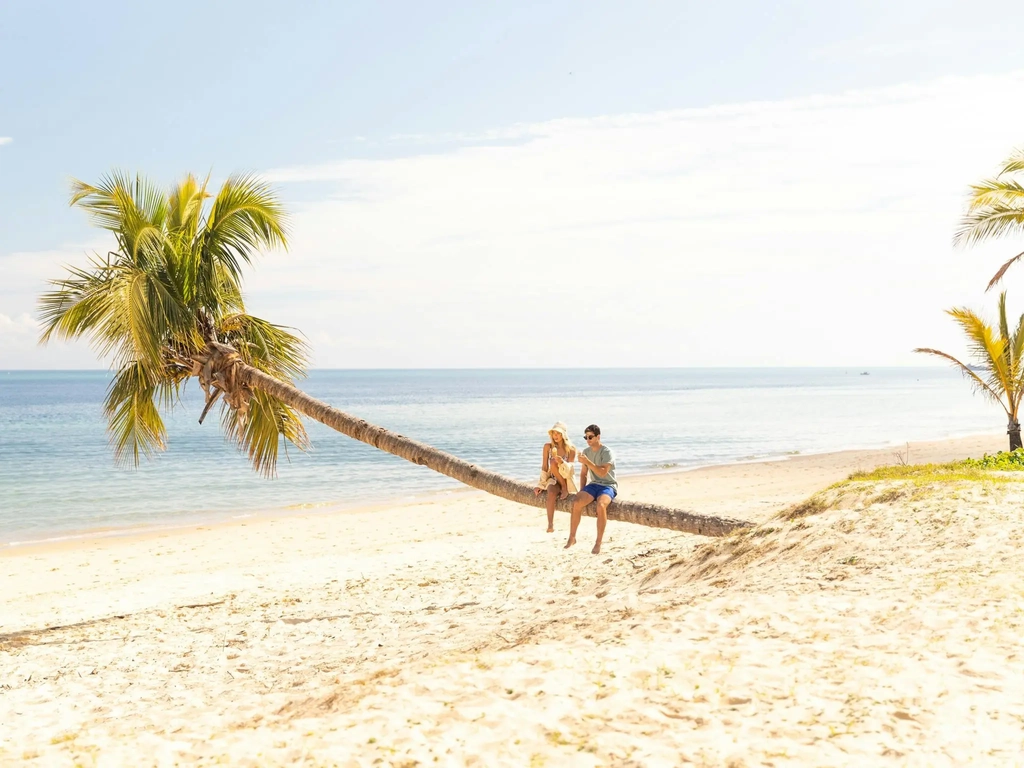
(556, 469)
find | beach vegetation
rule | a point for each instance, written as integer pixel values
(165, 305)
(995, 209)
(815, 505)
(997, 370)
(1003, 461)
(996, 468)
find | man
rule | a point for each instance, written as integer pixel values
(599, 463)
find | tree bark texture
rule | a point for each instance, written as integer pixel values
(651, 515)
(1013, 430)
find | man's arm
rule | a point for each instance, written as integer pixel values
(600, 470)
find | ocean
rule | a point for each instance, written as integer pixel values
(58, 477)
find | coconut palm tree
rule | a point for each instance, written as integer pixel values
(166, 305)
(995, 208)
(998, 369)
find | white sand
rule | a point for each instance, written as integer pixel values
(883, 631)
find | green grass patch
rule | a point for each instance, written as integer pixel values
(969, 470)
(1004, 461)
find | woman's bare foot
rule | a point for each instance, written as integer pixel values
(596, 550)
(550, 530)
(564, 494)
(536, 491)
(569, 543)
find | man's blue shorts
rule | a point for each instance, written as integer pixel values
(596, 489)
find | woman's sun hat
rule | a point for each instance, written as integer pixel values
(561, 429)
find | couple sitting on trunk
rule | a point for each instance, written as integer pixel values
(556, 478)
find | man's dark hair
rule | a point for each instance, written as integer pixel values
(594, 429)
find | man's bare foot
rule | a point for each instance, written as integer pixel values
(596, 550)
(550, 530)
(569, 543)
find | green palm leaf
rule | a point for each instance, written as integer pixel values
(172, 284)
(133, 419)
(997, 354)
(995, 208)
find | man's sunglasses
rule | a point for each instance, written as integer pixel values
(589, 437)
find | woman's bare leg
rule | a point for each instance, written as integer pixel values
(562, 483)
(552, 498)
(563, 487)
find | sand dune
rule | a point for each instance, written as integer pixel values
(879, 625)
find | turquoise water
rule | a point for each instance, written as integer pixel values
(57, 474)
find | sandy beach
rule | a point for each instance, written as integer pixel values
(880, 625)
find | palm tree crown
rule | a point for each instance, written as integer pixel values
(170, 286)
(998, 355)
(995, 208)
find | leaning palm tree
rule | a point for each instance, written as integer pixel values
(998, 369)
(995, 208)
(165, 305)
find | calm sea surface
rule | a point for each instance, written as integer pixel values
(57, 473)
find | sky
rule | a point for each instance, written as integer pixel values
(556, 184)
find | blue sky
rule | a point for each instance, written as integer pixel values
(289, 88)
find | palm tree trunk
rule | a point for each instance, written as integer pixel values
(1013, 430)
(651, 515)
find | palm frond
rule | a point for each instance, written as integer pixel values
(995, 207)
(968, 374)
(246, 217)
(78, 302)
(986, 348)
(113, 307)
(1002, 271)
(185, 204)
(1004, 191)
(1014, 163)
(1017, 344)
(269, 425)
(988, 222)
(271, 348)
(133, 209)
(1004, 328)
(133, 420)
(983, 344)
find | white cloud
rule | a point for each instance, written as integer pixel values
(5, 140)
(806, 231)
(17, 326)
(812, 231)
(18, 334)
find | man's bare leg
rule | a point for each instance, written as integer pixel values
(552, 495)
(581, 500)
(602, 520)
